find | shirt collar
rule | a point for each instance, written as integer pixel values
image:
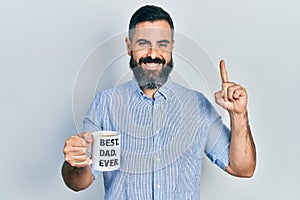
(164, 91)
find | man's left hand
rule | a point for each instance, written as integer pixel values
(232, 97)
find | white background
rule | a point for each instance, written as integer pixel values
(43, 44)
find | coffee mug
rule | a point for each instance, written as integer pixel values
(106, 150)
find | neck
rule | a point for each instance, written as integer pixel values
(149, 92)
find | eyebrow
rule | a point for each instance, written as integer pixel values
(160, 41)
(164, 41)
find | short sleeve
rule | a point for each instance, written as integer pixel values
(218, 138)
(92, 121)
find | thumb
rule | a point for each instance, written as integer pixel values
(219, 99)
(86, 138)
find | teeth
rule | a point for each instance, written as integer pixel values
(152, 64)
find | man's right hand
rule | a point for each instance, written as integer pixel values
(76, 148)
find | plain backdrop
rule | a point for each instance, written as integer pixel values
(44, 43)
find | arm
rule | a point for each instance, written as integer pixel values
(77, 178)
(76, 172)
(242, 154)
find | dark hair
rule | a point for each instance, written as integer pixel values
(149, 13)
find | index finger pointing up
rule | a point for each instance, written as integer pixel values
(223, 71)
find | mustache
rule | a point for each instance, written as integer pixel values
(150, 60)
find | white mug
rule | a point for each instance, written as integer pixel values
(106, 150)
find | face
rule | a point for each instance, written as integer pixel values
(151, 53)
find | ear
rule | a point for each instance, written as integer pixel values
(128, 45)
(173, 43)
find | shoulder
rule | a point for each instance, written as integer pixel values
(192, 98)
(185, 92)
(119, 92)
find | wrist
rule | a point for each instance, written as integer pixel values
(74, 169)
(239, 121)
(238, 115)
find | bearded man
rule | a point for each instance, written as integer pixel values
(166, 129)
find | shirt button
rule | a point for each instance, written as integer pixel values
(157, 159)
(156, 132)
(158, 186)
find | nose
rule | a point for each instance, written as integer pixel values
(153, 52)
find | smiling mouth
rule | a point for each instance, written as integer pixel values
(152, 65)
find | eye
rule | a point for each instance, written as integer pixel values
(143, 43)
(163, 44)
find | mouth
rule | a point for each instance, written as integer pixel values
(152, 66)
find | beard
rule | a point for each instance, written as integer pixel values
(151, 79)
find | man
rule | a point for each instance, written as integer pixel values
(166, 129)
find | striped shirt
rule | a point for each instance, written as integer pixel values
(163, 140)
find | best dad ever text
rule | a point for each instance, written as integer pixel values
(108, 152)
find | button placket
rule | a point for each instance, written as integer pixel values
(158, 117)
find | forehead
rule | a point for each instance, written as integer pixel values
(159, 29)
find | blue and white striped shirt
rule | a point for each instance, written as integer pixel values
(163, 140)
